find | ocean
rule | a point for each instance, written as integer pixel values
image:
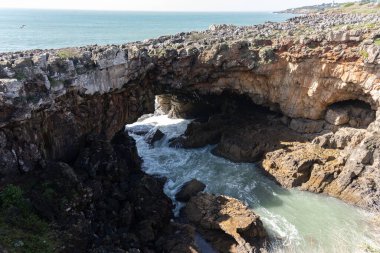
(44, 29)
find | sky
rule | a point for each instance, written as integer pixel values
(163, 5)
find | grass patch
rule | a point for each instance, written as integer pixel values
(352, 7)
(377, 42)
(346, 5)
(197, 36)
(21, 230)
(68, 53)
(370, 249)
(19, 75)
(364, 54)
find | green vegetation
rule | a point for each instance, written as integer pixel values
(364, 54)
(346, 5)
(370, 249)
(20, 76)
(352, 7)
(54, 83)
(11, 196)
(371, 25)
(68, 53)
(377, 42)
(197, 36)
(21, 230)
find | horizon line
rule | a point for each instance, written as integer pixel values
(163, 11)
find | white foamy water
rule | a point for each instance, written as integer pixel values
(304, 222)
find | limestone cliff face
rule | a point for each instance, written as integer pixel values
(51, 99)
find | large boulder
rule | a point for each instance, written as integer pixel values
(337, 116)
(226, 223)
(189, 189)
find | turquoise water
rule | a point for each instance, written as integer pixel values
(302, 222)
(55, 29)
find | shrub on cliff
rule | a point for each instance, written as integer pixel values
(21, 230)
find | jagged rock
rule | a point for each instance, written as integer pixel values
(178, 238)
(153, 135)
(373, 54)
(348, 171)
(344, 137)
(189, 189)
(124, 207)
(294, 165)
(306, 126)
(226, 223)
(359, 178)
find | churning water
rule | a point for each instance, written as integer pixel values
(304, 222)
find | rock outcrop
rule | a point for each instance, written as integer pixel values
(226, 223)
(103, 202)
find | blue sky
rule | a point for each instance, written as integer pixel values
(163, 5)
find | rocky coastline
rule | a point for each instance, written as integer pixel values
(300, 97)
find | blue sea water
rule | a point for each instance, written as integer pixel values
(56, 28)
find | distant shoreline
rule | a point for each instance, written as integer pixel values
(138, 11)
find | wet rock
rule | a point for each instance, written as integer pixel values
(189, 189)
(200, 134)
(226, 223)
(153, 135)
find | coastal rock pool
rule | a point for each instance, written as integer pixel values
(296, 221)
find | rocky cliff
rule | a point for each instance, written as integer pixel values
(320, 73)
(47, 96)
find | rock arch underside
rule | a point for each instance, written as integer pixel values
(308, 106)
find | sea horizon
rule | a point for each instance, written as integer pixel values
(73, 28)
(141, 11)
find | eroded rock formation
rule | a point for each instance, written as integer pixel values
(49, 95)
(53, 101)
